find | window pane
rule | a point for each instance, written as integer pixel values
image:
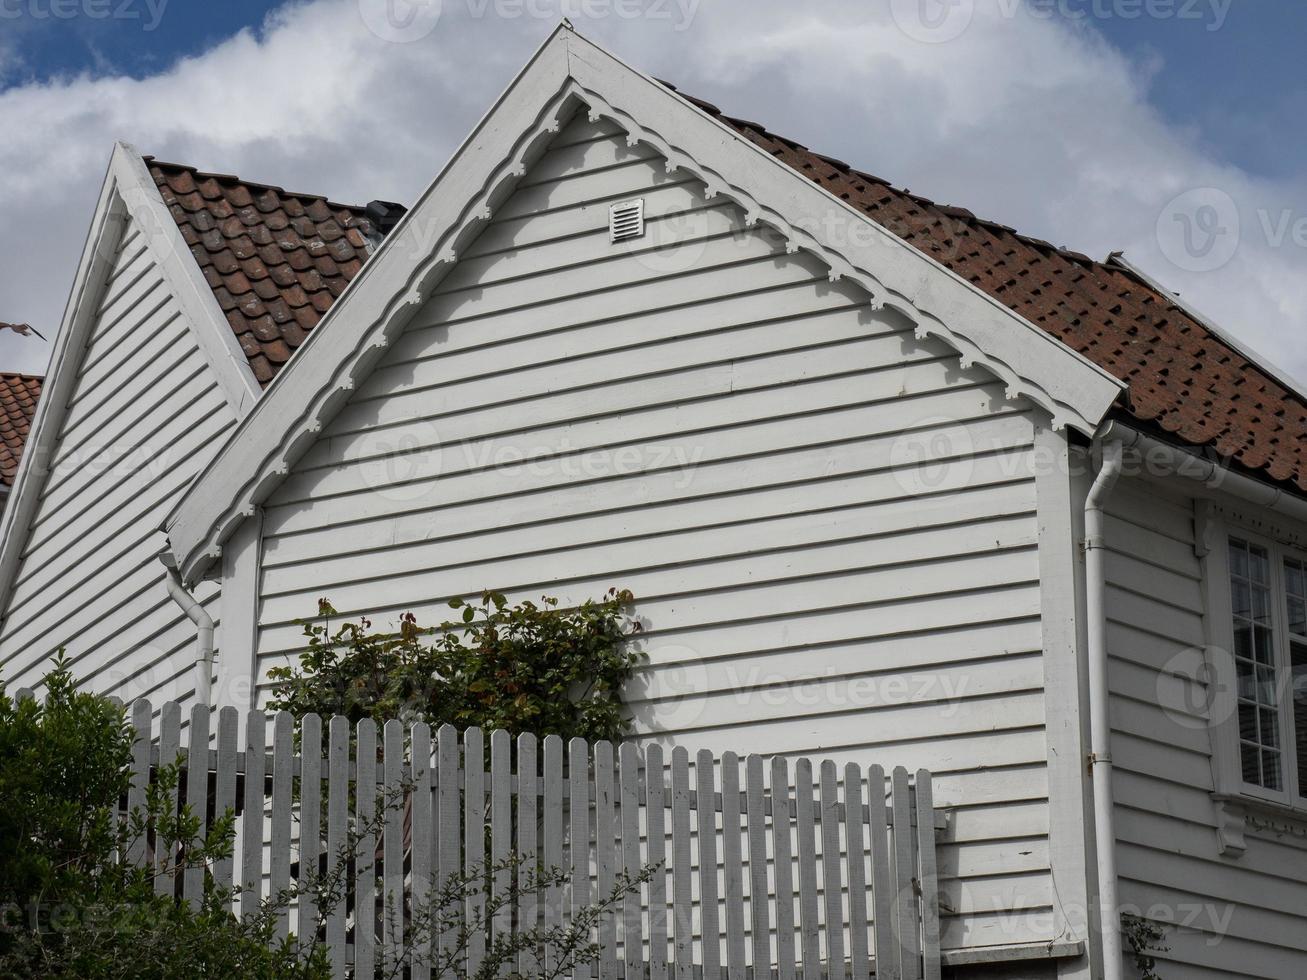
(1295, 589)
(1254, 658)
(1298, 654)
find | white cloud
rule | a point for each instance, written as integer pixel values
(1018, 118)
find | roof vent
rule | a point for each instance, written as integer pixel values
(384, 215)
(626, 220)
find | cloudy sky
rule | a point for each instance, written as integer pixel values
(1170, 129)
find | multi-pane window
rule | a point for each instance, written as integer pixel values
(1268, 603)
(1254, 658)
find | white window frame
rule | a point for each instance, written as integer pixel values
(1221, 663)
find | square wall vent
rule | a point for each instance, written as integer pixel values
(626, 221)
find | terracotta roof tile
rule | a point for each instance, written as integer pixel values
(19, 394)
(251, 240)
(1184, 380)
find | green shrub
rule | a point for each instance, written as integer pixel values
(524, 668)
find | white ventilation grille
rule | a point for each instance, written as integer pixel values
(626, 220)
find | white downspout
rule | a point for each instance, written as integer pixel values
(203, 631)
(1100, 720)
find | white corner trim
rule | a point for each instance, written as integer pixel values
(566, 73)
(193, 294)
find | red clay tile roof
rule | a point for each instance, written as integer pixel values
(1185, 381)
(19, 394)
(276, 260)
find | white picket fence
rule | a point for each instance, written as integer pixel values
(763, 870)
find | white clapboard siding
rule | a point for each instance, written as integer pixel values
(709, 421)
(144, 415)
(1223, 917)
(721, 849)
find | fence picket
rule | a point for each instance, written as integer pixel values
(731, 860)
(197, 793)
(682, 894)
(448, 835)
(905, 871)
(252, 814)
(578, 770)
(831, 881)
(888, 966)
(365, 864)
(853, 830)
(306, 926)
(501, 830)
(807, 839)
(392, 868)
(474, 843)
(783, 857)
(283, 777)
(224, 798)
(605, 855)
(422, 837)
(337, 836)
(553, 843)
(632, 938)
(710, 933)
(528, 796)
(137, 844)
(929, 891)
(656, 852)
(756, 818)
(170, 719)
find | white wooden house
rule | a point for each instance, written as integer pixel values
(891, 483)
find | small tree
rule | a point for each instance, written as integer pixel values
(524, 668)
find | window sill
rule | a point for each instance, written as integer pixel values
(1239, 815)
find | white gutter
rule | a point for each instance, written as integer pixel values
(1157, 457)
(203, 631)
(1100, 720)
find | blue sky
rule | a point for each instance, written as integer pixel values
(1239, 86)
(1090, 123)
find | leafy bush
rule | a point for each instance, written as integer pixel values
(69, 908)
(521, 668)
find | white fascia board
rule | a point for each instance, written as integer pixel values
(193, 294)
(568, 72)
(128, 194)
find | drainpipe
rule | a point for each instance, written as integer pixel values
(1100, 721)
(203, 631)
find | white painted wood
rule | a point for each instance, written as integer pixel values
(475, 814)
(682, 901)
(337, 830)
(606, 853)
(501, 826)
(197, 794)
(832, 886)
(365, 830)
(655, 786)
(630, 805)
(283, 778)
(552, 824)
(165, 881)
(393, 843)
(225, 795)
(252, 816)
(528, 845)
(579, 840)
(310, 825)
(137, 844)
(449, 834)
(422, 843)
